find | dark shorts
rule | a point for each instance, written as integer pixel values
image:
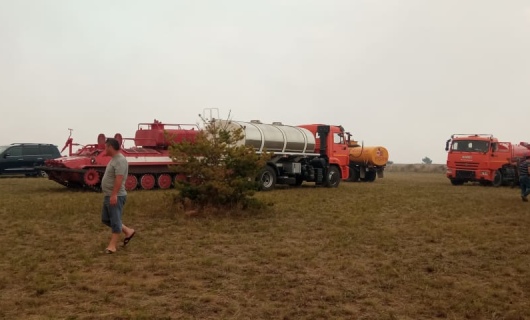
(111, 215)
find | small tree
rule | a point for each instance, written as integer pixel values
(220, 171)
(426, 160)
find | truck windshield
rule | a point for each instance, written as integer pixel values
(3, 148)
(470, 146)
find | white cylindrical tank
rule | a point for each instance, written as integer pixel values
(275, 137)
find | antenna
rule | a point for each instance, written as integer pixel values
(212, 112)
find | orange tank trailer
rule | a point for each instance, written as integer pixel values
(366, 162)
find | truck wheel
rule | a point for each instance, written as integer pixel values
(147, 181)
(334, 177)
(164, 181)
(91, 177)
(131, 182)
(354, 175)
(299, 181)
(457, 182)
(42, 174)
(497, 180)
(267, 179)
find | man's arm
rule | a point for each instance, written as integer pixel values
(117, 185)
(114, 194)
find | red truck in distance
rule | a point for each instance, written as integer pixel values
(483, 158)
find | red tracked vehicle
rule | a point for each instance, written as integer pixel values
(149, 160)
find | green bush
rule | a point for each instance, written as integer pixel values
(221, 171)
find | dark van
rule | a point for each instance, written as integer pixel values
(21, 158)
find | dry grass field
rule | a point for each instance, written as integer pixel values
(416, 167)
(409, 246)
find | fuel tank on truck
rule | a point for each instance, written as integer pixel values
(521, 150)
(157, 135)
(275, 137)
(377, 156)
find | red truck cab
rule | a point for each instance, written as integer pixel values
(482, 158)
(336, 147)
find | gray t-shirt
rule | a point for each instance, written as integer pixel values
(117, 166)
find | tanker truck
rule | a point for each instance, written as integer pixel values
(312, 152)
(366, 162)
(482, 158)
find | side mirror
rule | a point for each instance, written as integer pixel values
(447, 145)
(6, 155)
(494, 147)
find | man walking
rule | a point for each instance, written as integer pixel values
(113, 187)
(524, 178)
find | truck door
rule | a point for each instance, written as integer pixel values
(341, 153)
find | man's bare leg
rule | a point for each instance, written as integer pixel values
(113, 242)
(127, 231)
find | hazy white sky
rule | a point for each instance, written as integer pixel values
(404, 74)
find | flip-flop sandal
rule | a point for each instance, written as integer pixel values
(126, 240)
(108, 251)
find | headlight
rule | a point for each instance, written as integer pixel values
(484, 173)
